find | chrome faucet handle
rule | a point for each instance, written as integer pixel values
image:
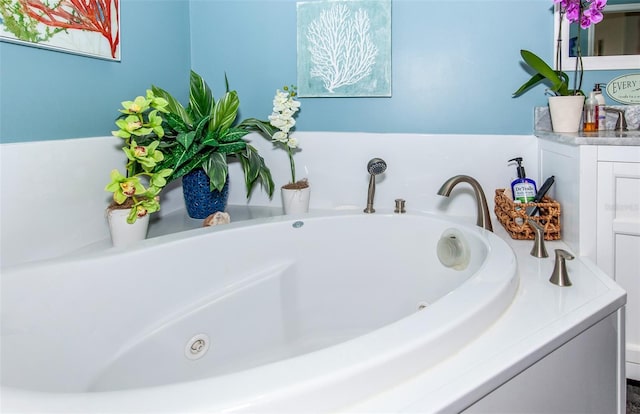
(621, 123)
(560, 277)
(539, 250)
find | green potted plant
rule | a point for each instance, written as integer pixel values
(136, 193)
(199, 141)
(566, 103)
(295, 194)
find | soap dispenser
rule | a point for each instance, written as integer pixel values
(524, 189)
(602, 115)
(591, 113)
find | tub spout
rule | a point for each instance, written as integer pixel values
(484, 219)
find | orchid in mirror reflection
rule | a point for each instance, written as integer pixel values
(281, 124)
(140, 125)
(584, 12)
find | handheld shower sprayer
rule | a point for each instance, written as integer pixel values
(374, 167)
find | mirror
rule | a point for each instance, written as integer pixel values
(614, 43)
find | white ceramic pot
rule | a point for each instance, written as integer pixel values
(566, 112)
(123, 233)
(295, 201)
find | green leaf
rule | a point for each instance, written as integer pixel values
(201, 127)
(176, 123)
(201, 100)
(255, 169)
(232, 135)
(186, 139)
(232, 148)
(539, 66)
(191, 164)
(254, 163)
(210, 139)
(535, 79)
(253, 124)
(225, 112)
(217, 169)
(557, 79)
(266, 180)
(174, 107)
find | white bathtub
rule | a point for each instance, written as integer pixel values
(307, 314)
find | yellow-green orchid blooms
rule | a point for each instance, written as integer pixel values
(137, 106)
(123, 187)
(140, 125)
(147, 156)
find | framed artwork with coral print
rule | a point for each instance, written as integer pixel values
(344, 48)
(84, 27)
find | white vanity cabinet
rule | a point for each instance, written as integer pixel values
(598, 187)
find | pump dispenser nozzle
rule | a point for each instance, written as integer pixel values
(520, 168)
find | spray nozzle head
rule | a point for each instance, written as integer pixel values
(519, 168)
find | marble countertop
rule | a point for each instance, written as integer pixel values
(627, 138)
(542, 127)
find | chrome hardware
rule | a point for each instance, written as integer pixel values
(484, 218)
(539, 250)
(560, 277)
(621, 123)
(374, 167)
(400, 206)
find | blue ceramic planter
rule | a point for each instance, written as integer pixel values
(199, 200)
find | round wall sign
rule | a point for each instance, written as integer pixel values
(625, 89)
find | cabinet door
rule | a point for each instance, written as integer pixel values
(618, 243)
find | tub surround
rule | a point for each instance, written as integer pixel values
(46, 216)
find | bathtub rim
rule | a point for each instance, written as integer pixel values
(296, 380)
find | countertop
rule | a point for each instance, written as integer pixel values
(631, 137)
(628, 138)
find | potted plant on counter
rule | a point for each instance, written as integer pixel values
(136, 193)
(200, 140)
(296, 193)
(565, 104)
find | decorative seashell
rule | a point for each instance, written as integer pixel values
(216, 218)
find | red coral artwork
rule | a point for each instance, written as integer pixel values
(89, 27)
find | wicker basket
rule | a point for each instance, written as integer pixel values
(513, 217)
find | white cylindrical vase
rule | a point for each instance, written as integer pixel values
(295, 201)
(566, 112)
(123, 233)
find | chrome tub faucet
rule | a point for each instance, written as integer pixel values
(483, 216)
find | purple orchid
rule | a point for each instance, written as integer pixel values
(586, 12)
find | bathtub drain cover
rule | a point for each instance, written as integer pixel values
(197, 346)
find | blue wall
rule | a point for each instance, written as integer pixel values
(47, 95)
(455, 66)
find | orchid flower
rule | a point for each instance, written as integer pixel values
(285, 107)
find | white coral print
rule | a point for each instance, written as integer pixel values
(342, 52)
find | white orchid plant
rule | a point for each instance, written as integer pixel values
(280, 126)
